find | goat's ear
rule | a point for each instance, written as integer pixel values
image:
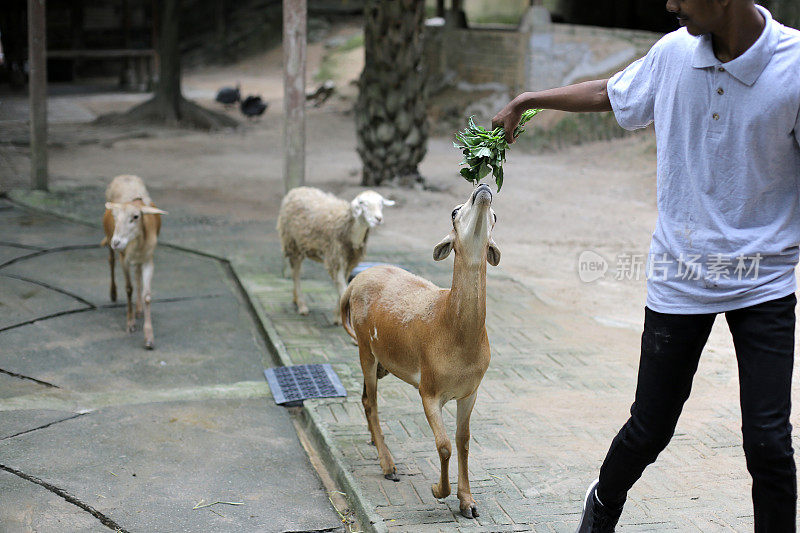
(111, 205)
(356, 208)
(443, 249)
(150, 210)
(493, 253)
(387, 202)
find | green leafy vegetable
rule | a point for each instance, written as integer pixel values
(484, 151)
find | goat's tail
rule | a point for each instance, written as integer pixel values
(344, 309)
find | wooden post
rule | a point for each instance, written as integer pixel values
(294, 93)
(37, 87)
(440, 8)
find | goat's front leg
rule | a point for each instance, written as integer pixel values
(295, 262)
(464, 410)
(138, 291)
(147, 280)
(130, 319)
(111, 262)
(433, 412)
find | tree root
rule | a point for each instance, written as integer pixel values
(153, 111)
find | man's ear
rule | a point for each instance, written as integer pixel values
(443, 249)
(493, 253)
(355, 208)
(150, 210)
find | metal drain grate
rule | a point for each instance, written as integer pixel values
(291, 385)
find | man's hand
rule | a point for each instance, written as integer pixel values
(508, 118)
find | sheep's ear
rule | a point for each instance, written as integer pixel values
(387, 202)
(150, 210)
(356, 208)
(443, 249)
(493, 253)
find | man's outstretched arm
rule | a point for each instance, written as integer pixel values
(578, 98)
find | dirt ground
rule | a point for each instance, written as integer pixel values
(598, 197)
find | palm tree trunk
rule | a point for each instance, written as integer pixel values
(390, 112)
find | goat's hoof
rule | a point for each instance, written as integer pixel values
(392, 476)
(149, 345)
(131, 328)
(113, 296)
(471, 511)
(302, 310)
(438, 492)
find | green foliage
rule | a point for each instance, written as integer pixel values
(484, 151)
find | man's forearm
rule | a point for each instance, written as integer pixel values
(578, 98)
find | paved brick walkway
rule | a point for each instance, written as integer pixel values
(546, 412)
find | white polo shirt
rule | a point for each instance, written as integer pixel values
(728, 190)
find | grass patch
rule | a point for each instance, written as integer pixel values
(356, 41)
(330, 61)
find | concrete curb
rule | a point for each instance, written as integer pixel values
(370, 520)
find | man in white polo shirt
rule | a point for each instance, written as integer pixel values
(724, 94)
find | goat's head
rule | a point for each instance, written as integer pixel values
(471, 236)
(128, 222)
(368, 206)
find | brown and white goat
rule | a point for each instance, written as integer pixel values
(432, 338)
(132, 223)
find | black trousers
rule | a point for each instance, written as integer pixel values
(763, 336)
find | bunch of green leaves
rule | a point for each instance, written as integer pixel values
(484, 151)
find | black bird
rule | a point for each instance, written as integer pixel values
(253, 106)
(229, 95)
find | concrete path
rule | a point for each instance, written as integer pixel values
(98, 433)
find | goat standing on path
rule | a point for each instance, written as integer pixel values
(434, 339)
(131, 223)
(319, 226)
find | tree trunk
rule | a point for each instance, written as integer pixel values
(168, 106)
(390, 112)
(168, 92)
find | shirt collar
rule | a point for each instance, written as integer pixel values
(748, 66)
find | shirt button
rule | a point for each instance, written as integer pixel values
(715, 116)
(720, 91)
(721, 69)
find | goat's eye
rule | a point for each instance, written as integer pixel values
(135, 217)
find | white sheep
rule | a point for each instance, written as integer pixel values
(132, 223)
(319, 226)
